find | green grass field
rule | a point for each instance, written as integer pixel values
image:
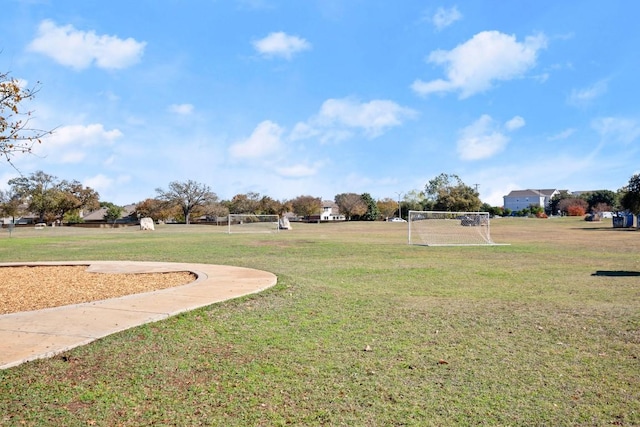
(361, 330)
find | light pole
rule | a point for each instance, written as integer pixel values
(399, 206)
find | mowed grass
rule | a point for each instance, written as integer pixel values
(361, 330)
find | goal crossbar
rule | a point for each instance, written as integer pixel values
(440, 228)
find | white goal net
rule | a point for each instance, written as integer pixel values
(251, 223)
(435, 228)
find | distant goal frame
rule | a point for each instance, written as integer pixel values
(252, 223)
(444, 228)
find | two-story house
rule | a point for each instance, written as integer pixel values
(523, 199)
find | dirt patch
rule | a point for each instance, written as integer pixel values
(33, 288)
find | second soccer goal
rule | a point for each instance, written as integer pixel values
(250, 223)
(438, 228)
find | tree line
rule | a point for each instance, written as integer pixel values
(53, 200)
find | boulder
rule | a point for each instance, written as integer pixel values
(284, 224)
(146, 224)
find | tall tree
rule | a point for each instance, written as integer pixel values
(631, 195)
(10, 204)
(449, 193)
(16, 133)
(248, 203)
(372, 213)
(40, 192)
(269, 206)
(189, 196)
(417, 201)
(154, 209)
(555, 201)
(387, 207)
(52, 199)
(72, 197)
(305, 206)
(350, 204)
(215, 210)
(605, 199)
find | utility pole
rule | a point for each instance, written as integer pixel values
(399, 206)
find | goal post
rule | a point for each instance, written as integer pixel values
(439, 228)
(252, 223)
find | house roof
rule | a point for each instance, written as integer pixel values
(98, 215)
(329, 203)
(532, 193)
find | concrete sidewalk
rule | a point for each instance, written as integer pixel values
(44, 333)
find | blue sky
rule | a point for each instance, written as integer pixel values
(320, 97)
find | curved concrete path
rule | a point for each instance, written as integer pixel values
(44, 333)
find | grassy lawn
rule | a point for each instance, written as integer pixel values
(361, 330)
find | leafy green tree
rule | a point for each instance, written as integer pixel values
(16, 133)
(215, 210)
(113, 212)
(305, 206)
(269, 206)
(449, 193)
(417, 201)
(493, 210)
(631, 195)
(555, 201)
(39, 192)
(372, 213)
(73, 197)
(248, 203)
(189, 196)
(51, 199)
(156, 209)
(387, 207)
(10, 204)
(603, 199)
(350, 204)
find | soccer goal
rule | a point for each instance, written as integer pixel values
(434, 228)
(250, 223)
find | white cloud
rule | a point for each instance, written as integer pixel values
(80, 49)
(69, 144)
(102, 183)
(303, 131)
(99, 182)
(614, 129)
(85, 135)
(562, 135)
(280, 44)
(265, 140)
(585, 96)
(181, 109)
(473, 66)
(515, 123)
(484, 138)
(299, 170)
(445, 17)
(339, 119)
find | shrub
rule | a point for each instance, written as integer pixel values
(573, 206)
(576, 210)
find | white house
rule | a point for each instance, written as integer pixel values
(523, 199)
(330, 211)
